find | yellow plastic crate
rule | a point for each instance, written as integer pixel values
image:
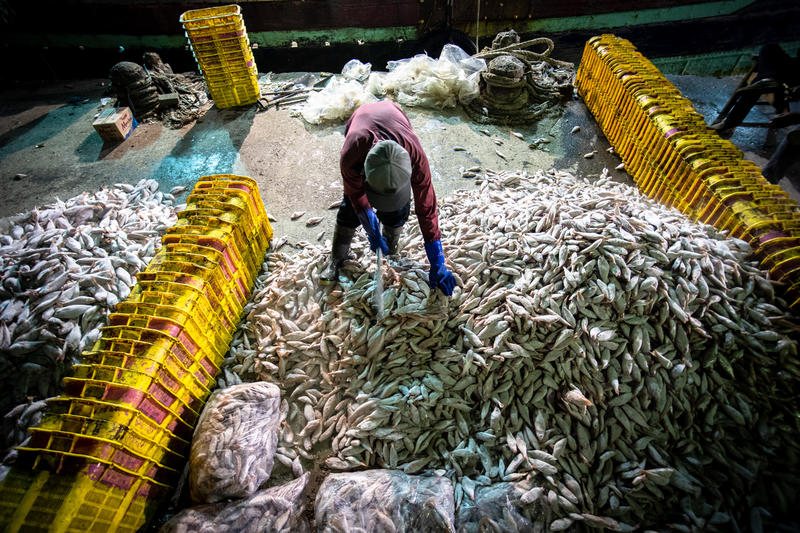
(195, 378)
(200, 226)
(238, 223)
(165, 445)
(97, 501)
(211, 17)
(234, 57)
(221, 48)
(232, 181)
(248, 239)
(211, 264)
(169, 432)
(142, 324)
(178, 418)
(186, 271)
(156, 345)
(231, 266)
(229, 210)
(175, 321)
(228, 75)
(62, 451)
(233, 95)
(231, 184)
(155, 380)
(225, 303)
(238, 199)
(232, 49)
(183, 296)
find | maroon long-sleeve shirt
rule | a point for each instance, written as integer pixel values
(382, 121)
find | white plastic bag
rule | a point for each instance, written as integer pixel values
(375, 84)
(336, 101)
(234, 443)
(356, 70)
(437, 83)
(470, 88)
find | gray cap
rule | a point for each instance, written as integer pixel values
(388, 171)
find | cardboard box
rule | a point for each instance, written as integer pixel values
(115, 125)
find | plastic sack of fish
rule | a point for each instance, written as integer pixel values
(276, 509)
(336, 102)
(495, 507)
(384, 500)
(234, 442)
(594, 336)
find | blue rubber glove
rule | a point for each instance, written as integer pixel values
(373, 228)
(439, 277)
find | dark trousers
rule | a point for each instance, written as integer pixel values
(773, 64)
(787, 153)
(394, 219)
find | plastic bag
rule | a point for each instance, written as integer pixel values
(496, 507)
(356, 70)
(437, 83)
(276, 509)
(470, 88)
(233, 446)
(336, 101)
(384, 500)
(375, 83)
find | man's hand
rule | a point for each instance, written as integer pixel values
(373, 228)
(439, 277)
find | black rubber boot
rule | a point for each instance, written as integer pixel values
(340, 249)
(392, 236)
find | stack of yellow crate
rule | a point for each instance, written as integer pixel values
(221, 48)
(675, 158)
(116, 441)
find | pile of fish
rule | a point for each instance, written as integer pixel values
(619, 364)
(62, 268)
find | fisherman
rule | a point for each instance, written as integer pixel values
(382, 163)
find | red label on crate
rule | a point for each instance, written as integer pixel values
(153, 411)
(166, 326)
(161, 394)
(115, 478)
(127, 460)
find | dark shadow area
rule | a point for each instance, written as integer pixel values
(21, 130)
(211, 146)
(759, 23)
(39, 130)
(90, 149)
(16, 97)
